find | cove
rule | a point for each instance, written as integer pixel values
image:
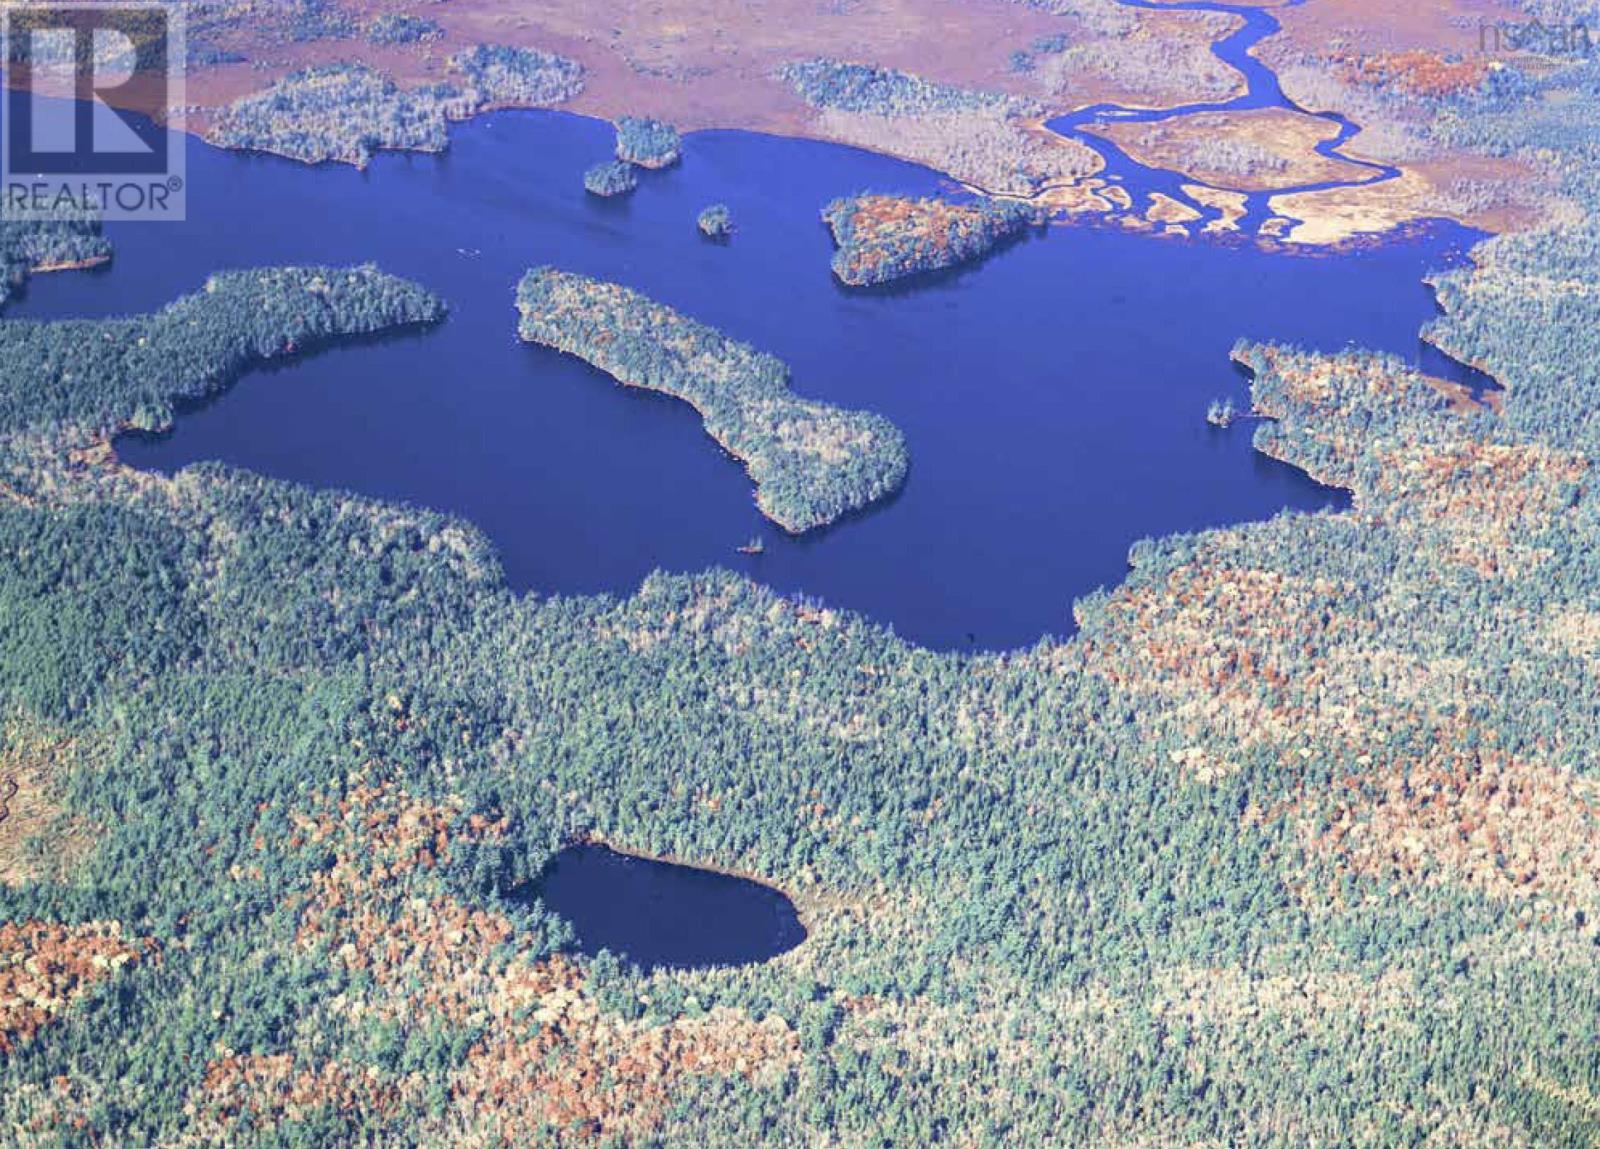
(663, 915)
(1053, 398)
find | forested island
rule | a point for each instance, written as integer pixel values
(812, 463)
(610, 178)
(102, 375)
(881, 238)
(30, 246)
(716, 222)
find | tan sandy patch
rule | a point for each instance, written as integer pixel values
(1229, 205)
(1165, 209)
(1263, 149)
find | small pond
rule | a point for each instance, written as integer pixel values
(663, 915)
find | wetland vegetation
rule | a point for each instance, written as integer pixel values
(986, 139)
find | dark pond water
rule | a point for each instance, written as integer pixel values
(664, 915)
(1052, 398)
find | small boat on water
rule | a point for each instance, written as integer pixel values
(754, 547)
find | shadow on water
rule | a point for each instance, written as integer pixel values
(661, 915)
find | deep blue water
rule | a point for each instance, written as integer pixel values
(1053, 397)
(663, 915)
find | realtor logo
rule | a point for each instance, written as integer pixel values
(93, 110)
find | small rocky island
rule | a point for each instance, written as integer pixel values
(882, 238)
(812, 463)
(716, 222)
(1221, 413)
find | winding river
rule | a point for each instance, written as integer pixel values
(1262, 90)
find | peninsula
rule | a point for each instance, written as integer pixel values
(30, 246)
(103, 375)
(882, 238)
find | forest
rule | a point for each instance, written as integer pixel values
(346, 113)
(401, 28)
(1296, 842)
(812, 463)
(988, 140)
(319, 743)
(882, 238)
(343, 113)
(520, 77)
(29, 246)
(851, 87)
(214, 26)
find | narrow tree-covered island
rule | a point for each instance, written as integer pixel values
(882, 238)
(812, 463)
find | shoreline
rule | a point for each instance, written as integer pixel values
(85, 264)
(1066, 201)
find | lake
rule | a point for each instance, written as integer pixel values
(660, 914)
(1053, 398)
